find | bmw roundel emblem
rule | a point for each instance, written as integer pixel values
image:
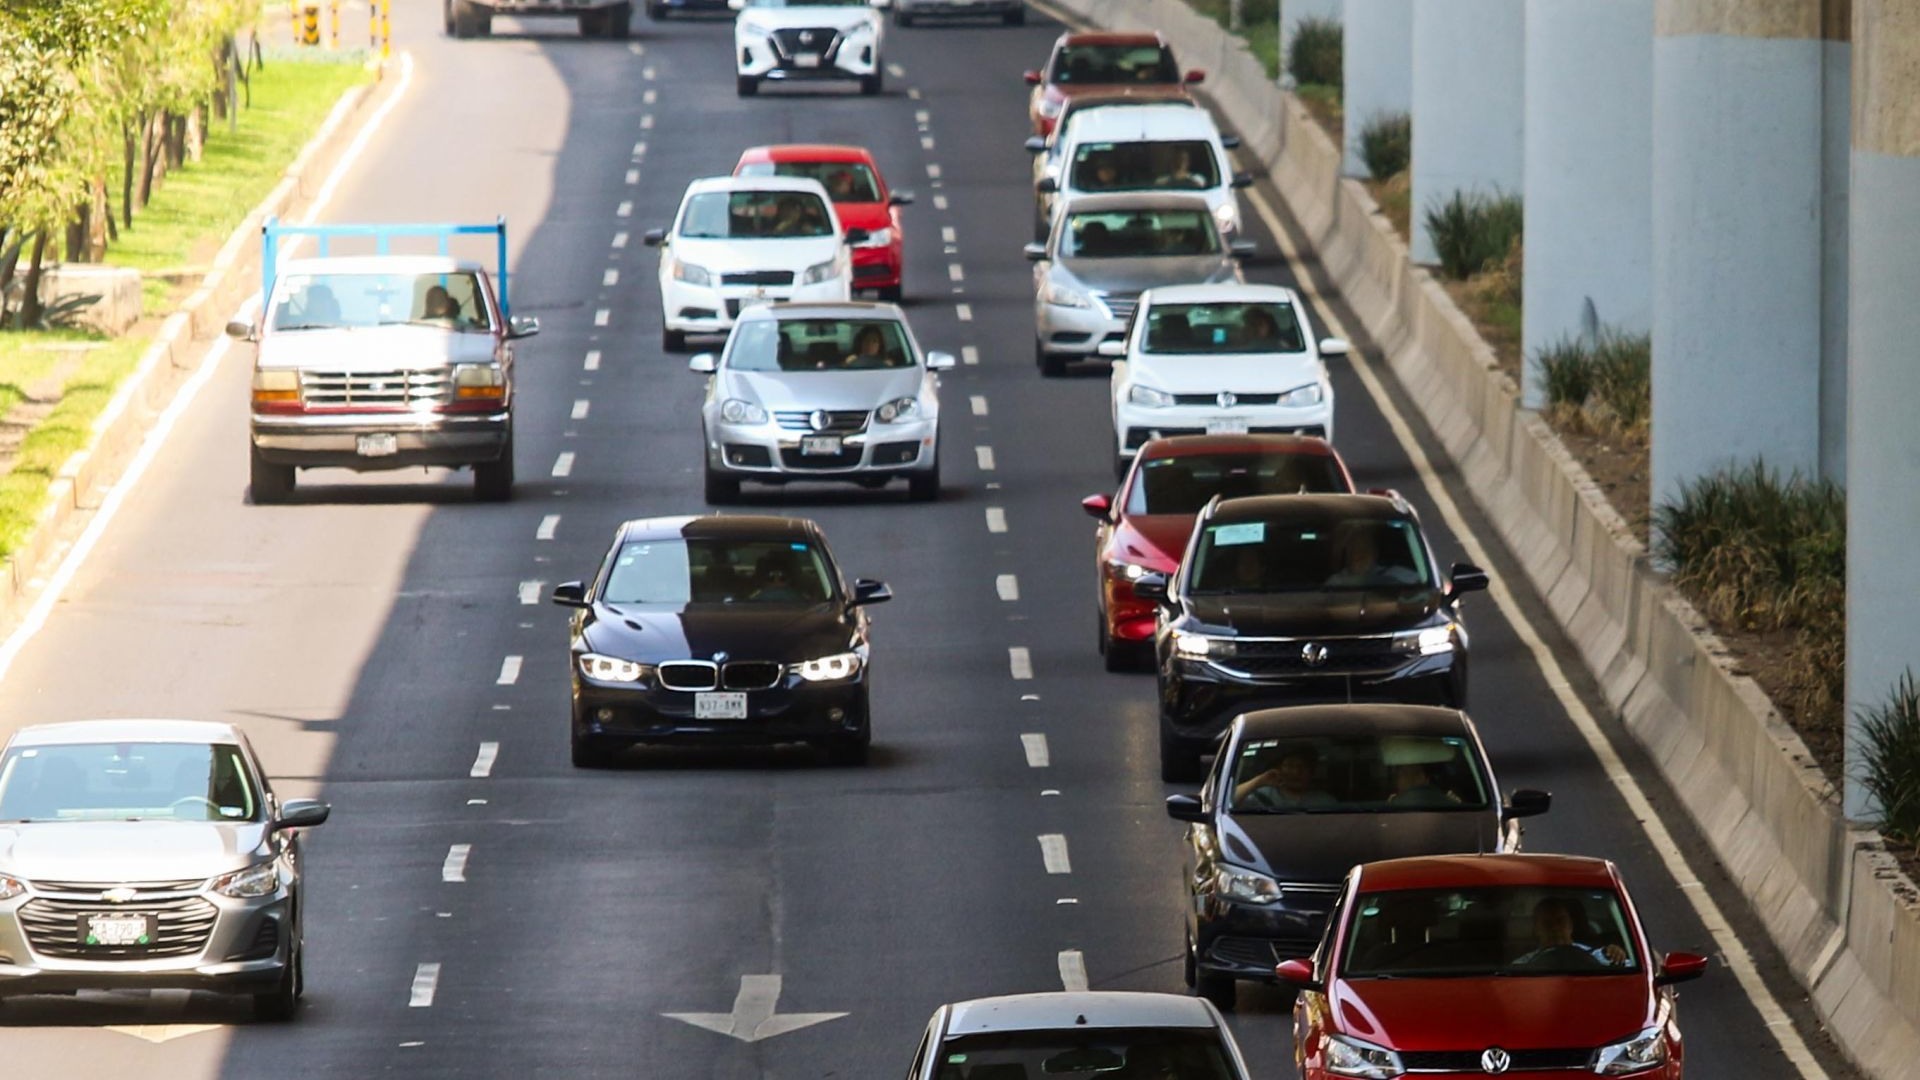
(1494, 1061)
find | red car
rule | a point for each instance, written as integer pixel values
(1100, 62)
(1527, 966)
(860, 198)
(1145, 527)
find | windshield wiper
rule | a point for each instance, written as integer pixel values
(313, 326)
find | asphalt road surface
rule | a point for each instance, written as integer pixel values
(374, 637)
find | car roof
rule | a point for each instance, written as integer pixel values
(756, 183)
(1110, 37)
(1469, 871)
(125, 731)
(1310, 507)
(790, 152)
(825, 309)
(1174, 446)
(1137, 200)
(1143, 123)
(1374, 718)
(1060, 1010)
(377, 264)
(1226, 291)
(722, 526)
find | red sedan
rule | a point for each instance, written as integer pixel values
(1472, 965)
(860, 198)
(1100, 62)
(1144, 529)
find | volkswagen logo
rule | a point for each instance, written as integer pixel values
(818, 420)
(1226, 399)
(1495, 1061)
(806, 37)
(1313, 654)
(118, 896)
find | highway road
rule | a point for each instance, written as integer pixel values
(477, 907)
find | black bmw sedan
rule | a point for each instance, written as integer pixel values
(1300, 795)
(721, 629)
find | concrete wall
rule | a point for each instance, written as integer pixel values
(1469, 87)
(1378, 62)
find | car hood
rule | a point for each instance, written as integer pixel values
(1132, 276)
(782, 253)
(1271, 373)
(784, 632)
(1327, 614)
(840, 18)
(386, 348)
(1155, 535)
(1523, 1013)
(108, 851)
(823, 389)
(1321, 848)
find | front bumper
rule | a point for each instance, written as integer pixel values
(245, 949)
(1246, 941)
(877, 267)
(1198, 699)
(334, 440)
(711, 309)
(793, 711)
(757, 56)
(773, 454)
(1130, 620)
(1135, 425)
(1075, 332)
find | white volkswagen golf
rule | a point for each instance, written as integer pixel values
(1219, 359)
(786, 40)
(739, 241)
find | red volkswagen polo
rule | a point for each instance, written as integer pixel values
(1100, 61)
(1144, 528)
(1525, 966)
(860, 198)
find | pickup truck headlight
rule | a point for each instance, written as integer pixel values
(479, 382)
(261, 880)
(1644, 1051)
(829, 668)
(691, 274)
(276, 388)
(1149, 397)
(905, 408)
(737, 411)
(611, 668)
(878, 238)
(821, 272)
(1299, 396)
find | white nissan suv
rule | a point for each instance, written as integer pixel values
(779, 40)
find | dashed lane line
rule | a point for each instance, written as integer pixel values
(933, 170)
(602, 316)
(1036, 747)
(646, 122)
(640, 148)
(547, 526)
(979, 403)
(633, 176)
(956, 272)
(926, 142)
(1053, 853)
(1073, 971)
(1020, 662)
(939, 202)
(619, 239)
(426, 980)
(610, 277)
(650, 97)
(625, 209)
(593, 360)
(983, 457)
(580, 409)
(563, 465)
(948, 235)
(455, 868)
(896, 71)
(483, 760)
(996, 519)
(1008, 586)
(963, 312)
(509, 671)
(969, 354)
(530, 592)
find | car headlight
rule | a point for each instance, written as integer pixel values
(1245, 886)
(1310, 394)
(736, 411)
(1064, 296)
(820, 272)
(1120, 568)
(261, 880)
(905, 408)
(479, 382)
(1432, 641)
(1226, 217)
(1149, 397)
(611, 668)
(1049, 108)
(877, 238)
(276, 386)
(1193, 646)
(1348, 1056)
(691, 274)
(1646, 1050)
(829, 668)
(748, 26)
(11, 887)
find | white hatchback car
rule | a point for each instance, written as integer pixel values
(739, 241)
(1078, 1033)
(790, 40)
(1170, 147)
(1219, 359)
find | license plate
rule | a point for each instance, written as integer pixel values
(116, 931)
(380, 445)
(806, 60)
(719, 706)
(820, 444)
(1226, 427)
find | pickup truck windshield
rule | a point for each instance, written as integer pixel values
(449, 301)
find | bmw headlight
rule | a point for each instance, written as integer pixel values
(736, 411)
(691, 274)
(1310, 394)
(905, 408)
(611, 668)
(829, 668)
(820, 272)
(261, 880)
(1348, 1056)
(1226, 217)
(1064, 296)
(877, 238)
(11, 887)
(1646, 1050)
(1191, 646)
(1432, 641)
(1149, 397)
(1245, 886)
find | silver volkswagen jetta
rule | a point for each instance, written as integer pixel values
(148, 854)
(822, 392)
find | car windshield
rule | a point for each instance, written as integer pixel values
(136, 781)
(1273, 556)
(717, 571)
(1232, 328)
(1086, 1054)
(755, 215)
(1139, 234)
(1481, 932)
(1183, 484)
(845, 181)
(1357, 774)
(819, 345)
(450, 301)
(1141, 166)
(1080, 65)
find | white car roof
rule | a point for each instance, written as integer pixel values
(1225, 292)
(125, 731)
(757, 183)
(1142, 123)
(379, 264)
(1078, 1010)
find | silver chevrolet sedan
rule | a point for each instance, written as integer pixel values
(148, 854)
(822, 392)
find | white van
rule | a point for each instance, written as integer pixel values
(1142, 148)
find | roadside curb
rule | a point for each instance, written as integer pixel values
(176, 352)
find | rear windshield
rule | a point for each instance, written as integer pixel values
(451, 301)
(819, 345)
(1086, 1054)
(1262, 327)
(1085, 64)
(1139, 234)
(735, 215)
(1182, 485)
(845, 181)
(1172, 165)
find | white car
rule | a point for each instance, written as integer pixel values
(1172, 147)
(796, 40)
(1219, 359)
(1078, 1034)
(738, 241)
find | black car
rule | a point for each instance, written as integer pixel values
(724, 629)
(1289, 599)
(1297, 797)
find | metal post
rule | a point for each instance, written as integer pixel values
(506, 312)
(333, 24)
(386, 29)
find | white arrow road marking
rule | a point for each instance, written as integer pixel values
(1053, 852)
(1073, 970)
(753, 1017)
(160, 1033)
(426, 979)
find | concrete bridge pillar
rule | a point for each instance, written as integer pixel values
(1377, 68)
(1469, 89)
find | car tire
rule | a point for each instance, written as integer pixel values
(1051, 365)
(619, 25)
(1178, 764)
(269, 483)
(892, 294)
(673, 341)
(746, 85)
(1222, 990)
(469, 21)
(1016, 17)
(925, 487)
(722, 490)
(588, 752)
(593, 24)
(277, 1006)
(493, 480)
(871, 85)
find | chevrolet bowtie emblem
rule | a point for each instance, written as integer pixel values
(118, 896)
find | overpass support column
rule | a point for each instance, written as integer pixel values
(1377, 68)
(1469, 85)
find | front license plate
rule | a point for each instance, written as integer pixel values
(116, 930)
(806, 60)
(824, 445)
(719, 706)
(1227, 426)
(382, 444)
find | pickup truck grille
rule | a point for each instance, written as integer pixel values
(404, 389)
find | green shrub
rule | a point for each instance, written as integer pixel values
(1890, 762)
(1757, 552)
(1471, 230)
(1605, 385)
(1386, 144)
(1566, 366)
(1314, 55)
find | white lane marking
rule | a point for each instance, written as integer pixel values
(983, 457)
(926, 142)
(1073, 971)
(956, 272)
(913, 92)
(455, 868)
(530, 591)
(1772, 1011)
(1019, 662)
(619, 239)
(580, 409)
(979, 403)
(1049, 793)
(610, 277)
(625, 209)
(483, 760)
(648, 74)
(633, 176)
(646, 122)
(1053, 852)
(933, 170)
(896, 71)
(593, 360)
(426, 979)
(922, 116)
(650, 96)
(963, 312)
(563, 465)
(601, 316)
(1008, 586)
(637, 49)
(969, 354)
(948, 235)
(996, 519)
(939, 202)
(547, 525)
(640, 148)
(509, 671)
(1036, 747)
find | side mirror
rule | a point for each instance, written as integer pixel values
(240, 330)
(703, 363)
(1334, 346)
(1244, 249)
(570, 594)
(1679, 967)
(1526, 802)
(1229, 142)
(1036, 145)
(1298, 974)
(1185, 808)
(857, 236)
(900, 198)
(1196, 76)
(1036, 252)
(1151, 587)
(1111, 349)
(654, 237)
(301, 814)
(1032, 77)
(522, 326)
(1098, 507)
(1465, 578)
(1243, 179)
(867, 591)
(939, 361)
(1047, 185)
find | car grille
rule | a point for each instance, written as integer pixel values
(839, 421)
(1285, 657)
(688, 675)
(402, 389)
(822, 40)
(1468, 1061)
(758, 277)
(845, 459)
(1137, 437)
(1261, 952)
(182, 926)
(1120, 306)
(1214, 399)
(92, 890)
(700, 675)
(749, 675)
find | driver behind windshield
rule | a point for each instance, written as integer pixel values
(1553, 939)
(1292, 782)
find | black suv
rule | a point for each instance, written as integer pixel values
(1285, 599)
